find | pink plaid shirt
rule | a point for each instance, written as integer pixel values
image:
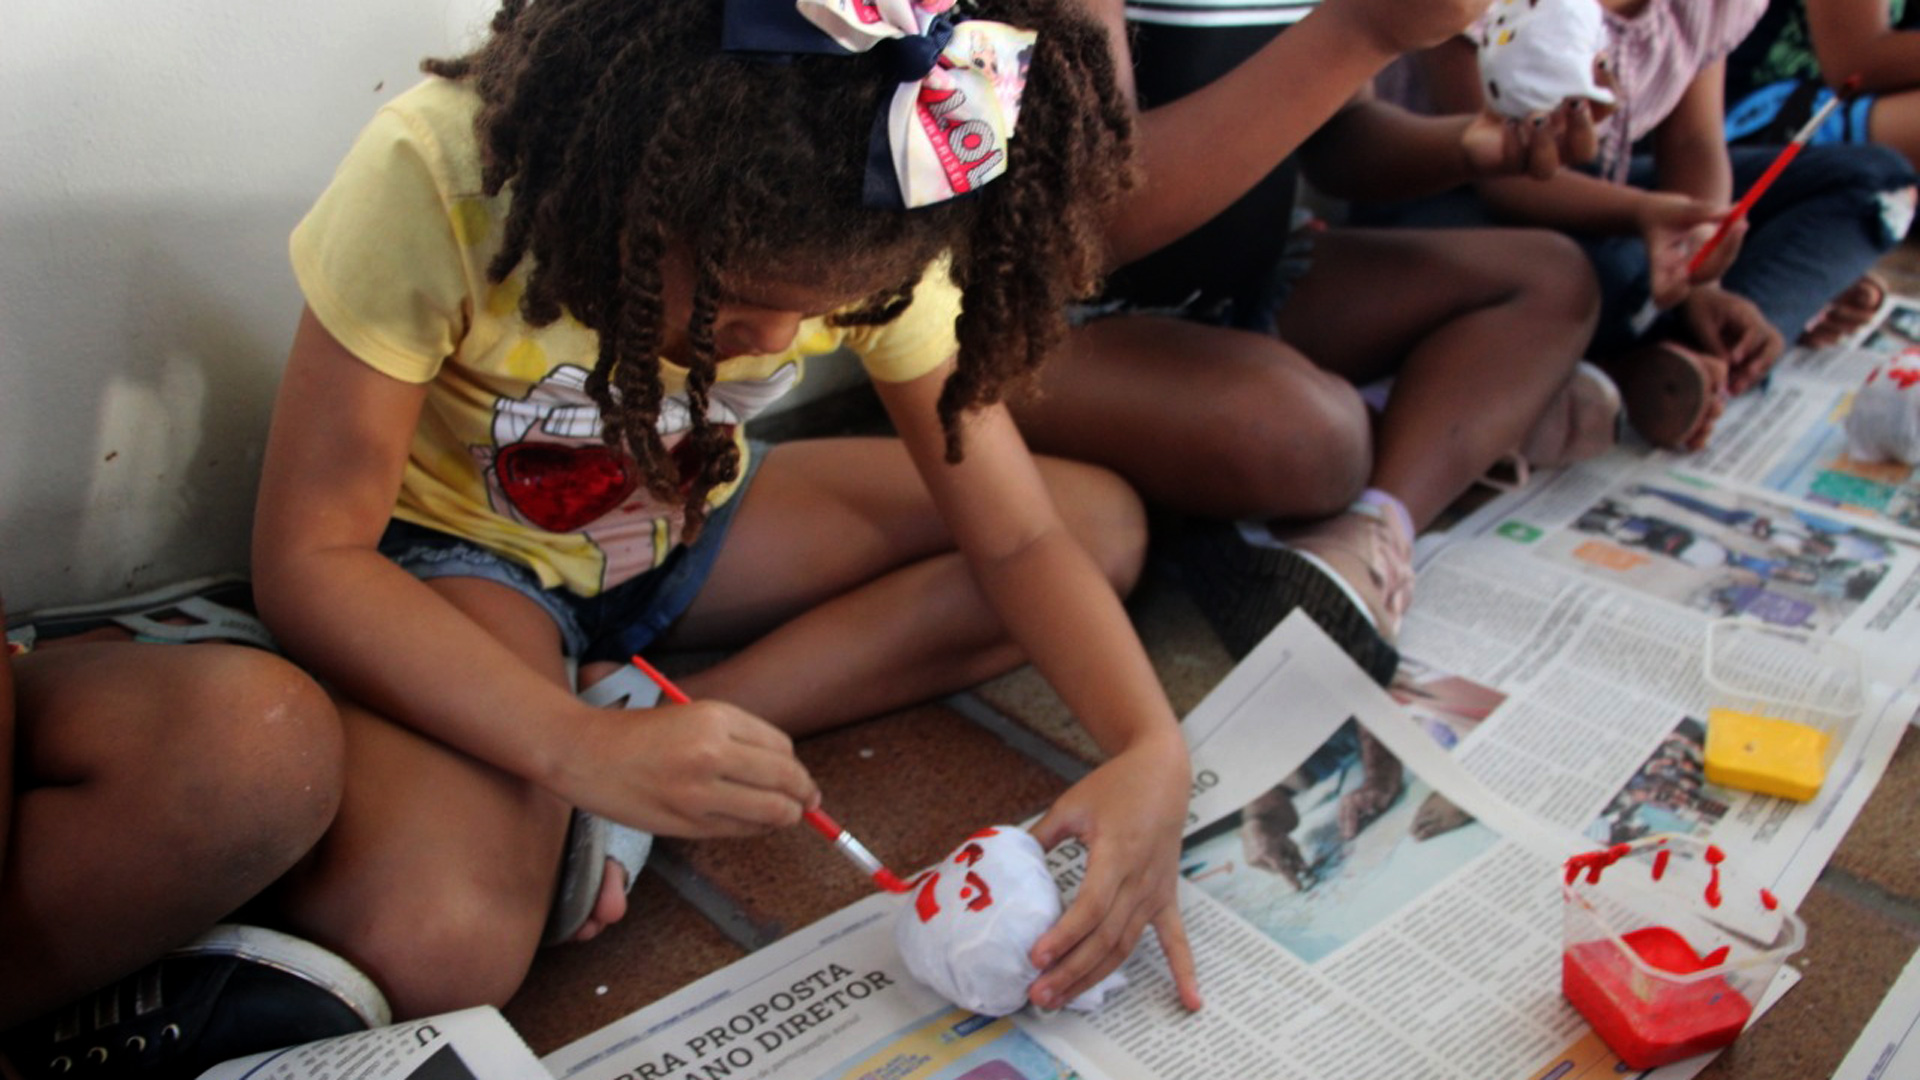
(1655, 55)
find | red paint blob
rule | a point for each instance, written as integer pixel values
(925, 905)
(1660, 863)
(1714, 855)
(982, 901)
(1768, 900)
(1651, 1022)
(1713, 883)
(969, 854)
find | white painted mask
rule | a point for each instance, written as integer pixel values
(1535, 54)
(967, 927)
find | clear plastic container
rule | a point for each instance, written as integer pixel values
(1666, 952)
(1782, 703)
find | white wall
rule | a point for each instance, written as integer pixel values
(153, 158)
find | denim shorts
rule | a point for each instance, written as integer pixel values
(614, 625)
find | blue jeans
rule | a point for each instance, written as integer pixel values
(1828, 217)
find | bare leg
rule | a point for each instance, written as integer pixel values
(1481, 328)
(159, 787)
(1207, 421)
(841, 582)
(439, 870)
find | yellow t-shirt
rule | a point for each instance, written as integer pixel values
(392, 259)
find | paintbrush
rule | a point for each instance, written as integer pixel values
(843, 841)
(1760, 186)
(1648, 311)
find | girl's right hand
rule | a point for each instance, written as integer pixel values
(698, 770)
(1674, 227)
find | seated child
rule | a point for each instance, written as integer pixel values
(1221, 375)
(147, 793)
(1642, 216)
(546, 291)
(1791, 65)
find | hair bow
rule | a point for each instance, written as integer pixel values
(945, 132)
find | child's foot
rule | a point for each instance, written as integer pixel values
(1369, 551)
(1854, 308)
(1673, 394)
(236, 990)
(603, 858)
(1580, 422)
(1351, 574)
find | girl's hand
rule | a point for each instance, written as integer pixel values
(1732, 328)
(697, 770)
(1129, 813)
(1674, 227)
(1495, 146)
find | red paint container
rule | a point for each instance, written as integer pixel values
(1665, 952)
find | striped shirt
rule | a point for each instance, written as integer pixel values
(1656, 54)
(1211, 13)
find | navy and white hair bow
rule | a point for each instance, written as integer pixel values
(945, 132)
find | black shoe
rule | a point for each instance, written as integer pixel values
(238, 990)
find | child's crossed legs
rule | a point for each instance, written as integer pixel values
(842, 591)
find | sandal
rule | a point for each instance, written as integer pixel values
(592, 839)
(216, 608)
(1669, 392)
(1847, 313)
(1581, 421)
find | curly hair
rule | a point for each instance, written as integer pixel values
(626, 133)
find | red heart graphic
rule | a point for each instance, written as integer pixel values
(564, 488)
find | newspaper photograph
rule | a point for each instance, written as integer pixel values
(1648, 540)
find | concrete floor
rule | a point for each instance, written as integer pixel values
(1010, 748)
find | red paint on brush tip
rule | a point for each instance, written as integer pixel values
(890, 881)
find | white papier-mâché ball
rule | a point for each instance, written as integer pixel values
(1535, 54)
(1883, 423)
(969, 923)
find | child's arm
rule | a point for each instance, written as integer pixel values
(1375, 151)
(341, 432)
(1200, 153)
(1673, 222)
(1857, 37)
(1062, 611)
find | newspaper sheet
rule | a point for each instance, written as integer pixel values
(1423, 943)
(472, 1044)
(1889, 1047)
(1789, 439)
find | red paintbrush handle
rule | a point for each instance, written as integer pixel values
(1759, 188)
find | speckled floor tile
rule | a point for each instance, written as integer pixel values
(1853, 955)
(1883, 847)
(574, 990)
(1185, 652)
(910, 786)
